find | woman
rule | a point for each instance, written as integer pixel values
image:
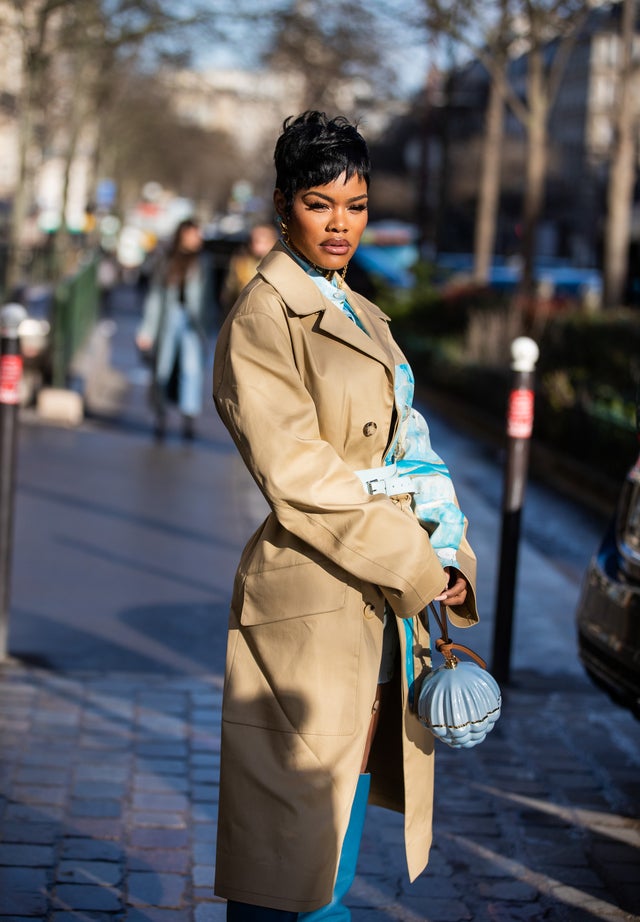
(172, 327)
(317, 712)
(244, 263)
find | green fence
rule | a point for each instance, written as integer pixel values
(75, 313)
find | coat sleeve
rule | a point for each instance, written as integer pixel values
(272, 418)
(150, 324)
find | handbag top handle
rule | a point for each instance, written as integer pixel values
(445, 646)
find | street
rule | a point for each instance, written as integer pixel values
(123, 560)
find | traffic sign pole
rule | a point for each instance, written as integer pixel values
(10, 378)
(524, 352)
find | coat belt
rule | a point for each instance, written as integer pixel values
(385, 480)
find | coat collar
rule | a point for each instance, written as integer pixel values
(303, 297)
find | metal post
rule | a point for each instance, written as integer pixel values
(524, 353)
(11, 315)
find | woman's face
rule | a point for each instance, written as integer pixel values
(261, 239)
(326, 222)
(190, 239)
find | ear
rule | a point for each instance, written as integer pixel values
(279, 203)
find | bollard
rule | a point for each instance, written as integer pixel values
(11, 315)
(524, 353)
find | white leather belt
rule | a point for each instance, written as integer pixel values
(385, 480)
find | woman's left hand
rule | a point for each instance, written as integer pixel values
(456, 592)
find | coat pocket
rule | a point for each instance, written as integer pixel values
(281, 593)
(296, 660)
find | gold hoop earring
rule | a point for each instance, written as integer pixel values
(284, 230)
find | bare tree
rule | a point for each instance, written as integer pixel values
(144, 138)
(544, 30)
(334, 57)
(489, 38)
(34, 24)
(489, 187)
(75, 47)
(623, 165)
(550, 30)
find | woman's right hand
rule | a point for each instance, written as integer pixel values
(144, 343)
(455, 593)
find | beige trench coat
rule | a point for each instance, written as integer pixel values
(308, 399)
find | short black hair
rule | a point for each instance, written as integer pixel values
(314, 150)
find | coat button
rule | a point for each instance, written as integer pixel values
(369, 610)
(369, 428)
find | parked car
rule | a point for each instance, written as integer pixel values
(608, 611)
(387, 254)
(558, 276)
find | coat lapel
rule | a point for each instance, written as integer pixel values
(303, 297)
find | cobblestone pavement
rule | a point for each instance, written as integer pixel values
(109, 776)
(109, 799)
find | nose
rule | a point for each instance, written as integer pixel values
(338, 222)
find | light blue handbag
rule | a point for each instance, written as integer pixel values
(459, 702)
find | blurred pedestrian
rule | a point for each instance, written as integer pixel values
(107, 278)
(243, 263)
(172, 330)
(327, 639)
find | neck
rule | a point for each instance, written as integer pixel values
(327, 273)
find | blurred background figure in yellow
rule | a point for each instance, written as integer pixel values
(244, 263)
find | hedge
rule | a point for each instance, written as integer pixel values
(586, 377)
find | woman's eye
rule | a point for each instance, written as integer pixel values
(316, 206)
(358, 208)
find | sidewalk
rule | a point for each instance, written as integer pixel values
(111, 797)
(108, 770)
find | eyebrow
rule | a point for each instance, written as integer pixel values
(328, 198)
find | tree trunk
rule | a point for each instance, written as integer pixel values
(442, 178)
(33, 76)
(422, 182)
(489, 191)
(622, 175)
(95, 164)
(76, 118)
(536, 169)
(24, 186)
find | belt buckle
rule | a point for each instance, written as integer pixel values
(376, 486)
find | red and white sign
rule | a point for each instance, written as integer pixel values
(520, 415)
(10, 377)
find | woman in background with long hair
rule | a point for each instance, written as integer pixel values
(172, 328)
